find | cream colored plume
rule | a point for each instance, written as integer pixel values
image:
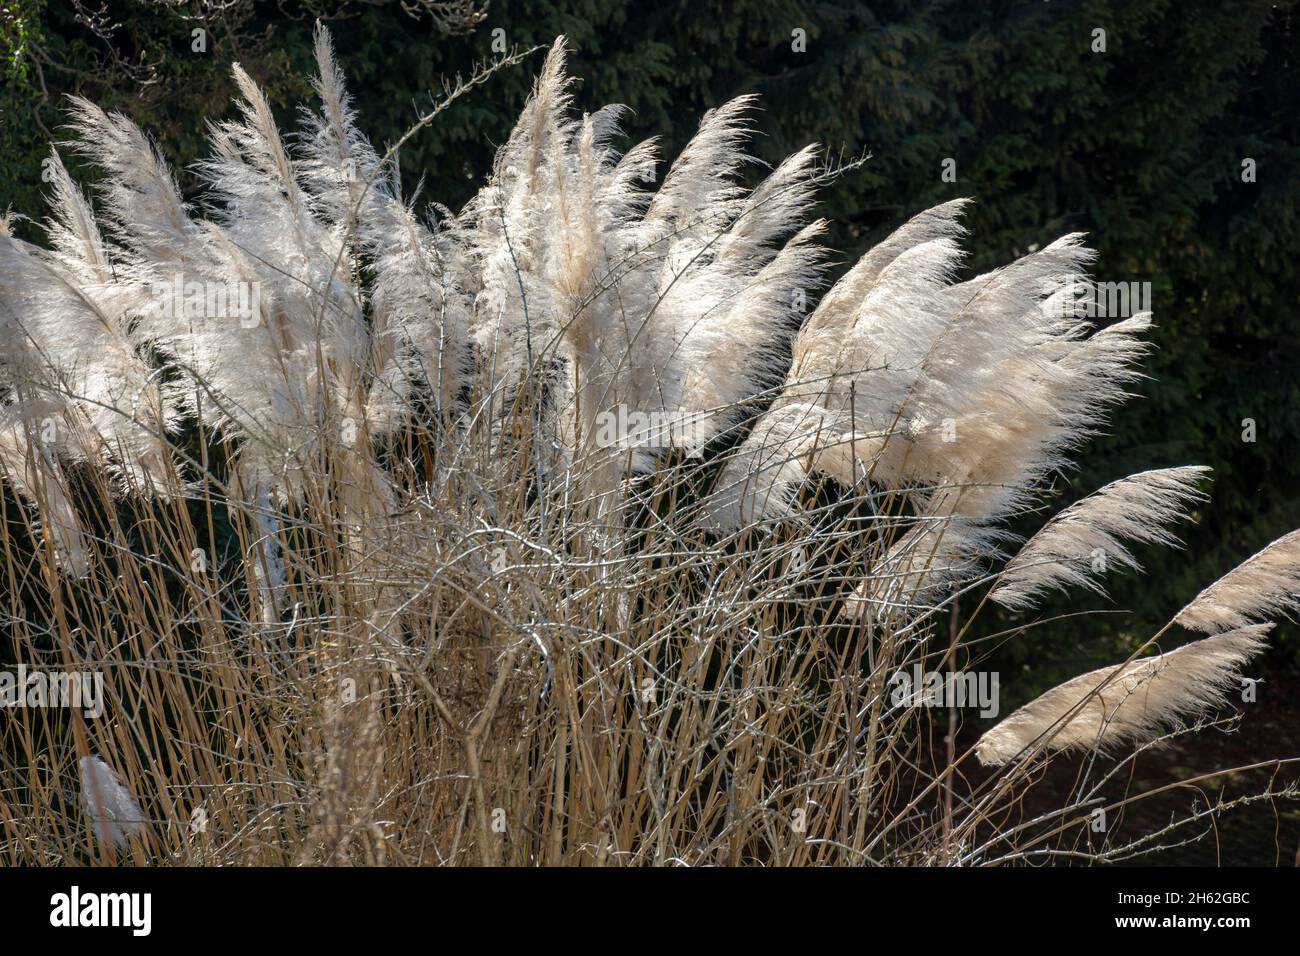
(1130, 703)
(419, 309)
(67, 338)
(758, 479)
(934, 554)
(109, 802)
(1265, 584)
(967, 395)
(35, 475)
(1085, 540)
(678, 302)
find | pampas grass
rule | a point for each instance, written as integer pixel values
(1266, 583)
(1131, 703)
(112, 807)
(368, 580)
(1087, 536)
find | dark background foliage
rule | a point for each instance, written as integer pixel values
(1141, 146)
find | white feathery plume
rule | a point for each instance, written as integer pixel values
(420, 312)
(924, 375)
(74, 235)
(76, 385)
(985, 410)
(1264, 584)
(297, 257)
(60, 345)
(506, 227)
(421, 316)
(935, 553)
(1065, 551)
(109, 802)
(966, 396)
(142, 203)
(67, 331)
(291, 366)
(163, 252)
(727, 276)
(295, 374)
(338, 166)
(36, 476)
(1129, 703)
(630, 299)
(758, 479)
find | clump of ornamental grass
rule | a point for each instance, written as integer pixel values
(556, 530)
